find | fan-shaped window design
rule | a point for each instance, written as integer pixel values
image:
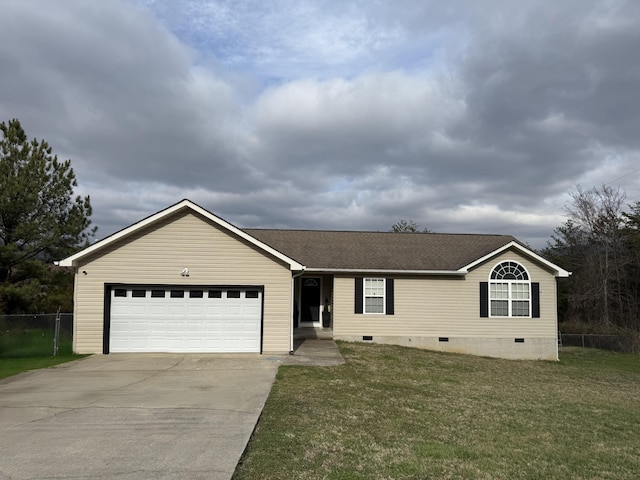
(510, 291)
(509, 271)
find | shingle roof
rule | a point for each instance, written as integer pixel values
(319, 249)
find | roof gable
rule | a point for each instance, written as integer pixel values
(557, 271)
(184, 205)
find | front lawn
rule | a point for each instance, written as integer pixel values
(12, 366)
(23, 349)
(35, 342)
(401, 413)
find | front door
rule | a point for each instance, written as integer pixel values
(310, 302)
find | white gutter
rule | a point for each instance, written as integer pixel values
(460, 272)
(293, 291)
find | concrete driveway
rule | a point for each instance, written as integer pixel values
(133, 416)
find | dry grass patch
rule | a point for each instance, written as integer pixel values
(394, 412)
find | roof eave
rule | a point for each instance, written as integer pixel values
(460, 272)
(65, 263)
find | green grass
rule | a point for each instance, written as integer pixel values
(400, 413)
(29, 349)
(13, 366)
(18, 343)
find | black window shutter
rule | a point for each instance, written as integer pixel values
(535, 300)
(484, 299)
(389, 296)
(359, 295)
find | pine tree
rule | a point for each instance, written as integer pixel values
(40, 220)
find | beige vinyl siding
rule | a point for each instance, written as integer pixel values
(158, 254)
(438, 306)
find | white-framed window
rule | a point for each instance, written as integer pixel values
(509, 290)
(374, 290)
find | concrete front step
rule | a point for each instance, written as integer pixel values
(313, 333)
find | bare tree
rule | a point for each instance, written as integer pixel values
(593, 243)
(632, 238)
(408, 226)
(598, 212)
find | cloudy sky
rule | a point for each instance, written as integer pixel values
(463, 116)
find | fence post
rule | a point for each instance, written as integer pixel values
(56, 334)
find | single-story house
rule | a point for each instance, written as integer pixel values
(185, 280)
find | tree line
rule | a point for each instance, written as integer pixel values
(600, 244)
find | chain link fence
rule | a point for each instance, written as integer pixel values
(36, 335)
(616, 343)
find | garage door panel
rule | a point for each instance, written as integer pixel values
(136, 343)
(194, 327)
(119, 309)
(175, 344)
(215, 327)
(175, 328)
(157, 342)
(252, 311)
(137, 327)
(232, 344)
(184, 320)
(248, 328)
(176, 310)
(249, 344)
(157, 310)
(194, 344)
(232, 328)
(233, 310)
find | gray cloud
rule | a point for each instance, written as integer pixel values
(120, 94)
(335, 115)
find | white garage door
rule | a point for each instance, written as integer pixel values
(157, 319)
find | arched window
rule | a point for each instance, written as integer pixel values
(510, 291)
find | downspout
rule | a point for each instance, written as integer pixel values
(293, 291)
